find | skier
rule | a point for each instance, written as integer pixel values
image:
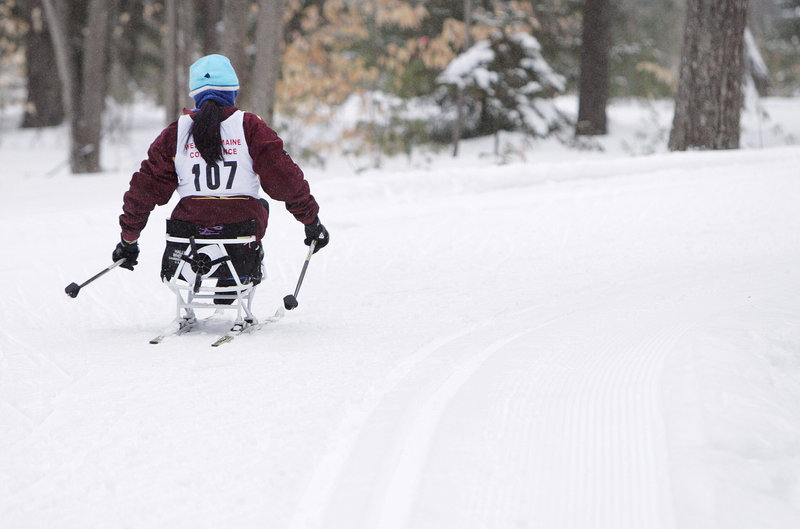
(217, 157)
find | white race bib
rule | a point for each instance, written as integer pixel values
(233, 176)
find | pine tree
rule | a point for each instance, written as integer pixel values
(508, 84)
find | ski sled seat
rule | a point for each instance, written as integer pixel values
(215, 267)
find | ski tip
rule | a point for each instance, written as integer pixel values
(221, 341)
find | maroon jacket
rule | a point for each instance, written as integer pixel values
(156, 180)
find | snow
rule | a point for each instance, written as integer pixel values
(471, 66)
(471, 63)
(755, 61)
(551, 337)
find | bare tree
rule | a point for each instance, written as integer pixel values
(269, 47)
(55, 13)
(234, 37)
(87, 122)
(81, 52)
(709, 100)
(177, 56)
(42, 108)
(208, 21)
(594, 80)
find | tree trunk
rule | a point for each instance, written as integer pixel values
(185, 53)
(87, 119)
(177, 49)
(207, 12)
(709, 100)
(81, 53)
(44, 106)
(594, 76)
(55, 13)
(234, 37)
(269, 47)
(170, 60)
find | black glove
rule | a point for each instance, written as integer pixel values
(128, 251)
(316, 232)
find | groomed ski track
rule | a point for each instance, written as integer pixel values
(565, 345)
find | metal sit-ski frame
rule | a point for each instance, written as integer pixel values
(201, 260)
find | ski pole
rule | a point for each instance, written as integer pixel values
(73, 288)
(290, 301)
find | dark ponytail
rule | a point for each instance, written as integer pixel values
(205, 130)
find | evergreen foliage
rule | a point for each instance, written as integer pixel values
(507, 83)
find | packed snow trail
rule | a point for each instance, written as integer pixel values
(535, 345)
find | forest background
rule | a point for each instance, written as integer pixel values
(422, 72)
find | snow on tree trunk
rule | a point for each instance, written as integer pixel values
(709, 99)
(594, 79)
(755, 65)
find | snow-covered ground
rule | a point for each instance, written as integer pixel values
(595, 339)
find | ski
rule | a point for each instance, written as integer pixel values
(185, 325)
(233, 333)
(239, 328)
(177, 328)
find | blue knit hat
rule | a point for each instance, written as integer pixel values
(212, 72)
